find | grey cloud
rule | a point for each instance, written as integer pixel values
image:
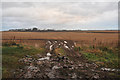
(60, 15)
(59, 0)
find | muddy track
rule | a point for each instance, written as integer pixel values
(70, 65)
(67, 45)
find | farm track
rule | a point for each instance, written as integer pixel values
(67, 45)
(51, 65)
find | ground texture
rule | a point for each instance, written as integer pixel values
(61, 61)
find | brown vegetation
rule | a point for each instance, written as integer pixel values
(81, 39)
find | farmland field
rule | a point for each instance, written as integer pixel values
(70, 54)
(107, 39)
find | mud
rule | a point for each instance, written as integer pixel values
(73, 65)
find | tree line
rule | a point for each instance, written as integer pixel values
(38, 30)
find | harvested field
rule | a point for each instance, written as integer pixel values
(81, 39)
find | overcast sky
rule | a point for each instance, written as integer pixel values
(60, 15)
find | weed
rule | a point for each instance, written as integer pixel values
(11, 55)
(106, 56)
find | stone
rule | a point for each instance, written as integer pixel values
(96, 76)
(55, 67)
(39, 62)
(51, 74)
(48, 54)
(66, 46)
(109, 69)
(65, 41)
(45, 58)
(80, 65)
(55, 41)
(74, 75)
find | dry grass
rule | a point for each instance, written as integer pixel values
(82, 39)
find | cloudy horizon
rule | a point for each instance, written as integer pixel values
(60, 15)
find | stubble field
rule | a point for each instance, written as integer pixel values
(108, 38)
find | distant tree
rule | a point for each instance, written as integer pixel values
(35, 29)
(29, 29)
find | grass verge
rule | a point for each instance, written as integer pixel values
(11, 54)
(103, 56)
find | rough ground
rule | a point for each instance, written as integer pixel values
(67, 66)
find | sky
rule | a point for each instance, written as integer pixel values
(60, 15)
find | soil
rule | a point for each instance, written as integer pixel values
(71, 65)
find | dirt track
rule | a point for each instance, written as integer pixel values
(72, 65)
